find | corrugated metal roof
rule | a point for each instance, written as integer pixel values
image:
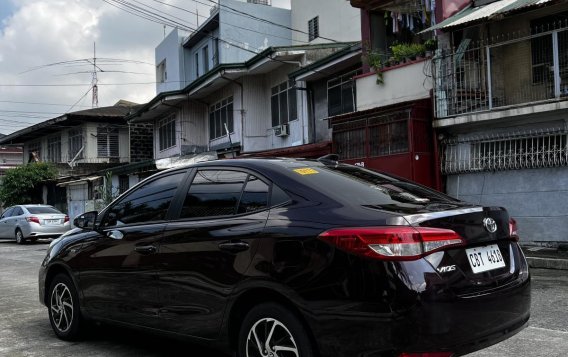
(472, 14)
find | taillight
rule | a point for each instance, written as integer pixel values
(392, 243)
(66, 219)
(513, 233)
(32, 219)
(427, 354)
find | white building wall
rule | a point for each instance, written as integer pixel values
(171, 51)
(338, 20)
(401, 84)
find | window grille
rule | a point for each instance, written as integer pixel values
(54, 149)
(35, 148)
(123, 183)
(283, 103)
(167, 133)
(107, 142)
(313, 28)
(75, 143)
(389, 138)
(219, 115)
(341, 94)
(526, 150)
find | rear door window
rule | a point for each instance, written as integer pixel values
(214, 193)
(218, 193)
(18, 211)
(255, 195)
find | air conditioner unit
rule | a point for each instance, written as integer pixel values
(282, 130)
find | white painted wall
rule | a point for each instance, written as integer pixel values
(171, 51)
(338, 20)
(401, 84)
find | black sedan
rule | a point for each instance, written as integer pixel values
(282, 257)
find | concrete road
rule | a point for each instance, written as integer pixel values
(25, 329)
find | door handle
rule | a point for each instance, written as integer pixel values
(234, 247)
(114, 234)
(145, 249)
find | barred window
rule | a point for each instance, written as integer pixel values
(283, 103)
(75, 143)
(107, 142)
(167, 133)
(54, 149)
(34, 148)
(313, 28)
(525, 150)
(123, 183)
(221, 114)
(350, 144)
(341, 94)
(389, 138)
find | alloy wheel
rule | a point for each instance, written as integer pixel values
(19, 237)
(61, 305)
(269, 337)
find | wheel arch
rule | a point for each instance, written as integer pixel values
(51, 273)
(254, 296)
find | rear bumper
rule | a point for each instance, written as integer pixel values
(388, 308)
(460, 326)
(38, 231)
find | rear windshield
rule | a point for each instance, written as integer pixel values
(39, 210)
(364, 187)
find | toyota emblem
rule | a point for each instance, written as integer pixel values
(490, 224)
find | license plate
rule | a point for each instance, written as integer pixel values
(51, 222)
(485, 258)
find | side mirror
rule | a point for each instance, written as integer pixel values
(86, 220)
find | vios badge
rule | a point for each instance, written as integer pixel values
(490, 224)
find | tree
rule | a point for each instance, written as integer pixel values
(20, 185)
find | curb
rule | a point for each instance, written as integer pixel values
(548, 263)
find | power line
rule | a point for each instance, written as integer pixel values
(141, 12)
(36, 103)
(242, 13)
(226, 23)
(81, 84)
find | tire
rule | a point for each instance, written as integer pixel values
(277, 324)
(64, 310)
(20, 237)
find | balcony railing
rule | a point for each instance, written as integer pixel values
(511, 70)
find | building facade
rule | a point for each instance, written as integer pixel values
(501, 106)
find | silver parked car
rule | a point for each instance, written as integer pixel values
(30, 222)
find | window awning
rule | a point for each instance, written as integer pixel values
(473, 14)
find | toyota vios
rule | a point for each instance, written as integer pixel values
(282, 257)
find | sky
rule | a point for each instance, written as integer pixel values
(36, 36)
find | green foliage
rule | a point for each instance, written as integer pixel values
(407, 51)
(431, 44)
(20, 185)
(375, 60)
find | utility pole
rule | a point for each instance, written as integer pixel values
(95, 101)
